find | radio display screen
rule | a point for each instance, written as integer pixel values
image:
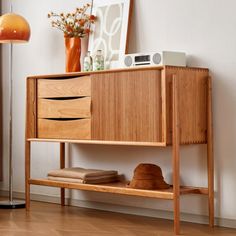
(142, 58)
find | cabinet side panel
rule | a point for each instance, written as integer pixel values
(126, 106)
(192, 104)
(31, 120)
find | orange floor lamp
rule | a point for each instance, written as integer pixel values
(13, 29)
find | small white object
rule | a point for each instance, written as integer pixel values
(154, 59)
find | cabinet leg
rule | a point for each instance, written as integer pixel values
(210, 159)
(176, 158)
(27, 175)
(62, 165)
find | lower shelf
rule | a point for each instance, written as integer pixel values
(104, 142)
(120, 188)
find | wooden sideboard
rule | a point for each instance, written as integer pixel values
(149, 106)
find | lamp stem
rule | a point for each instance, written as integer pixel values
(10, 125)
(10, 128)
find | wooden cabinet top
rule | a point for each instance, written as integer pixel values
(74, 74)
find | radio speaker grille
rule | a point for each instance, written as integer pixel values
(128, 61)
(156, 58)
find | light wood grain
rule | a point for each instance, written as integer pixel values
(88, 73)
(193, 190)
(69, 108)
(193, 104)
(117, 187)
(81, 141)
(164, 106)
(176, 158)
(127, 106)
(27, 173)
(62, 166)
(210, 157)
(50, 219)
(31, 108)
(116, 70)
(64, 129)
(74, 87)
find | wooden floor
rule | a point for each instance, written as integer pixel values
(54, 220)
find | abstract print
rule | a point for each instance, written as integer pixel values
(107, 32)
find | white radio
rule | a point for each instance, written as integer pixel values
(154, 59)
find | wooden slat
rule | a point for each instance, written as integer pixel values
(153, 144)
(118, 187)
(193, 190)
(210, 157)
(69, 108)
(193, 104)
(51, 88)
(127, 106)
(64, 129)
(176, 158)
(27, 173)
(62, 166)
(163, 106)
(31, 109)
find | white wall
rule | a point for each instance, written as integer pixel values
(205, 30)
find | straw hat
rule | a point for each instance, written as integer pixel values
(148, 176)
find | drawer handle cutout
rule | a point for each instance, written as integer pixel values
(65, 98)
(63, 78)
(63, 119)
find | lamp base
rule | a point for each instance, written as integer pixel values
(15, 204)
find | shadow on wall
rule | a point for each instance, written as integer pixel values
(224, 147)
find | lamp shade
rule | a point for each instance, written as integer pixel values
(14, 29)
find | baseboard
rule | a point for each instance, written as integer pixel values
(193, 218)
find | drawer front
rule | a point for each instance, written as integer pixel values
(69, 108)
(56, 88)
(64, 129)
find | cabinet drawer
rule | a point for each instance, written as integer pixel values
(75, 87)
(64, 129)
(69, 108)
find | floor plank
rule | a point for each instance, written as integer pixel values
(54, 220)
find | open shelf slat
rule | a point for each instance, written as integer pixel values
(130, 143)
(120, 188)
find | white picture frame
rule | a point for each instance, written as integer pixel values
(110, 33)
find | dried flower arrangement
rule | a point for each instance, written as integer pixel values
(76, 24)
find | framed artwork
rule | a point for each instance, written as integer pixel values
(111, 30)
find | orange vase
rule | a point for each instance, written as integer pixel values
(73, 53)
